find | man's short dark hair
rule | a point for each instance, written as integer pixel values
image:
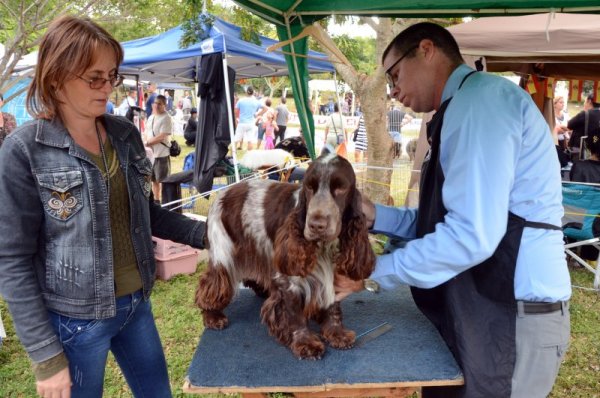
(249, 90)
(413, 35)
(283, 100)
(593, 101)
(161, 98)
(593, 143)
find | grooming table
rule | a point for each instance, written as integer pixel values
(244, 359)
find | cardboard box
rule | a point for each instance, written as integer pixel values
(179, 263)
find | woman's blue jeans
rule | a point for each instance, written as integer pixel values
(133, 339)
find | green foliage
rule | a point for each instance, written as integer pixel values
(196, 29)
(251, 26)
(360, 51)
(134, 19)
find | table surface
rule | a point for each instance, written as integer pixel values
(243, 358)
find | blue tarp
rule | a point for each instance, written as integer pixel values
(159, 58)
(17, 106)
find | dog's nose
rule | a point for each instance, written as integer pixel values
(317, 225)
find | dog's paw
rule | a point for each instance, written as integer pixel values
(341, 339)
(214, 320)
(308, 346)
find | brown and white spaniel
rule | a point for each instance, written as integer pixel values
(287, 241)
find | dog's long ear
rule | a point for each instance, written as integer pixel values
(356, 258)
(294, 255)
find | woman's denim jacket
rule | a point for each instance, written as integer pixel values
(55, 238)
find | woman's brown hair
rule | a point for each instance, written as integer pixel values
(68, 48)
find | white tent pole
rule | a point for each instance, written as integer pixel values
(230, 117)
(339, 103)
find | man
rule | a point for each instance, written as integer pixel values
(128, 102)
(151, 98)
(191, 128)
(394, 119)
(282, 115)
(110, 107)
(186, 105)
(169, 101)
(485, 253)
(246, 112)
(577, 124)
(158, 130)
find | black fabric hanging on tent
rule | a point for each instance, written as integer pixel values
(212, 137)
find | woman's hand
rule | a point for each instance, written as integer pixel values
(57, 386)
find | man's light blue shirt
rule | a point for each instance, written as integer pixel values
(248, 107)
(497, 156)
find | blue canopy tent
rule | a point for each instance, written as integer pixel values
(159, 58)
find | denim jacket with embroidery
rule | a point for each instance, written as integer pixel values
(55, 237)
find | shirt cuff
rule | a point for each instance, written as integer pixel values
(384, 273)
(48, 368)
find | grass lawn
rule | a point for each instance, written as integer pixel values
(180, 327)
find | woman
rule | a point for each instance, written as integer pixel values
(7, 122)
(76, 256)
(561, 118)
(334, 131)
(261, 118)
(361, 143)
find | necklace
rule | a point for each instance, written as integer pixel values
(106, 174)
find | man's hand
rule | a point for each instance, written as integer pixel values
(345, 286)
(57, 386)
(368, 209)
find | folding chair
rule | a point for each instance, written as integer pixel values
(581, 222)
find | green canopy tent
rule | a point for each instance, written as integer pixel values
(291, 16)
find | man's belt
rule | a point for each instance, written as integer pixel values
(532, 307)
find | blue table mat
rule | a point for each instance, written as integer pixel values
(244, 355)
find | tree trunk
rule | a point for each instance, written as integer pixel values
(380, 149)
(371, 90)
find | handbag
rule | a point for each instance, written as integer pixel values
(355, 135)
(339, 136)
(174, 148)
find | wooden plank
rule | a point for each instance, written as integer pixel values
(314, 391)
(360, 392)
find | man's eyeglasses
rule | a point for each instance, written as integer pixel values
(97, 83)
(388, 75)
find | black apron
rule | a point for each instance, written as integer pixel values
(475, 312)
